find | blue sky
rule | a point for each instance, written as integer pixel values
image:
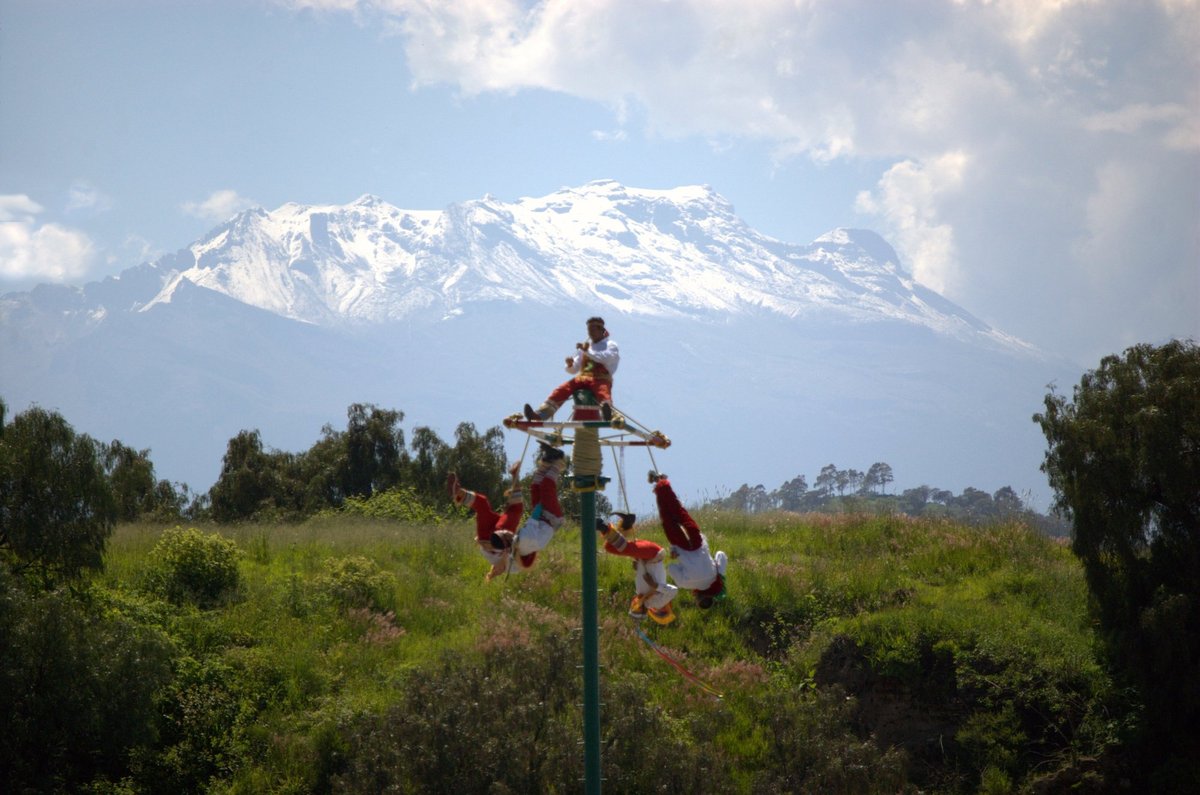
(1038, 162)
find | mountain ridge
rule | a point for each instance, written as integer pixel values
(681, 252)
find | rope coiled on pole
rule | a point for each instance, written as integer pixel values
(587, 459)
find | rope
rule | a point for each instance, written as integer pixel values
(512, 551)
(587, 458)
(649, 448)
(691, 677)
(630, 419)
(525, 450)
(620, 466)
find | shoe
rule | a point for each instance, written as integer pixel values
(627, 519)
(530, 414)
(606, 411)
(653, 476)
(637, 609)
(601, 526)
(663, 616)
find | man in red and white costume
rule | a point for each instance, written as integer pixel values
(495, 533)
(694, 567)
(593, 366)
(653, 593)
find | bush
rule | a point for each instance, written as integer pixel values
(399, 504)
(189, 566)
(509, 722)
(78, 689)
(356, 583)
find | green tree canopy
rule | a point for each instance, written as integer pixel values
(1124, 460)
(56, 507)
(249, 479)
(131, 476)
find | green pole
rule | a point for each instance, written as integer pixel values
(591, 647)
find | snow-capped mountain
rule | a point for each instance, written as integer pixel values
(279, 319)
(658, 253)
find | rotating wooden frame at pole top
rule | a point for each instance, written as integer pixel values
(620, 431)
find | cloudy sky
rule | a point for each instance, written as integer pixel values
(1037, 161)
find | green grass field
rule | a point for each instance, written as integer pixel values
(854, 653)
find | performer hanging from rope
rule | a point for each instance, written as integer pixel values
(496, 533)
(593, 366)
(653, 593)
(694, 567)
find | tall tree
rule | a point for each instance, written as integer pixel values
(247, 482)
(56, 507)
(1008, 503)
(1124, 461)
(375, 454)
(791, 494)
(826, 479)
(131, 475)
(880, 474)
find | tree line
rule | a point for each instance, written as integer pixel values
(851, 490)
(371, 456)
(98, 482)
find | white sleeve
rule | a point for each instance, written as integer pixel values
(609, 356)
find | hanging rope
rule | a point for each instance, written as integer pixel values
(512, 551)
(525, 450)
(691, 677)
(620, 467)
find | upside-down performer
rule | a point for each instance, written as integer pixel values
(694, 567)
(497, 533)
(653, 594)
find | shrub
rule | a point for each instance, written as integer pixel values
(77, 690)
(399, 504)
(509, 722)
(357, 582)
(189, 566)
(812, 749)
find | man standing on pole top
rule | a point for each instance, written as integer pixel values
(593, 365)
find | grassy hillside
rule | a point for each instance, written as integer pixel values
(855, 654)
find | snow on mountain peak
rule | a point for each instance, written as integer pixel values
(665, 252)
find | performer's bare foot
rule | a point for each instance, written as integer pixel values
(515, 469)
(452, 485)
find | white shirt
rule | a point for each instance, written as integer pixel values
(604, 352)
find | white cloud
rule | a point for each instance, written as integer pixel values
(85, 196)
(1040, 93)
(907, 197)
(609, 135)
(135, 248)
(18, 207)
(44, 252)
(219, 206)
(321, 5)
